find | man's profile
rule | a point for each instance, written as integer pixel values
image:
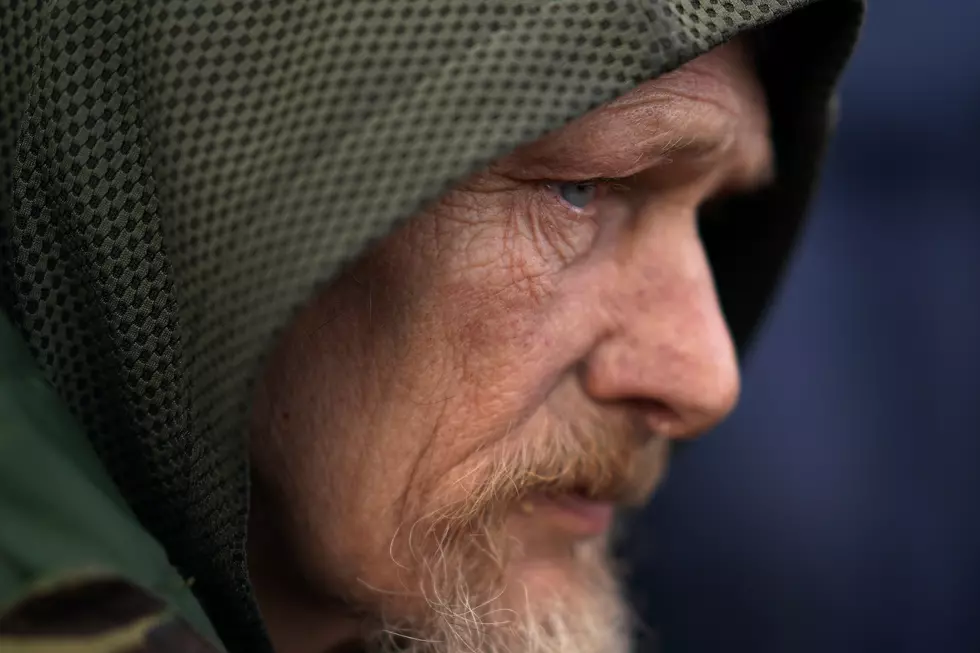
(376, 314)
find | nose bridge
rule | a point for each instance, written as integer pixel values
(671, 349)
(669, 294)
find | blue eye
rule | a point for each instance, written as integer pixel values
(577, 194)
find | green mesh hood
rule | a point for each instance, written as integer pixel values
(177, 178)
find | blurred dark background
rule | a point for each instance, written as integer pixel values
(838, 510)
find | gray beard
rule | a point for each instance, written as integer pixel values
(586, 615)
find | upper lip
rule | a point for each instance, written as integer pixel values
(603, 493)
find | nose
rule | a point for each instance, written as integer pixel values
(668, 352)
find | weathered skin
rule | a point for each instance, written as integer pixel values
(502, 318)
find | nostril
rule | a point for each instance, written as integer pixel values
(657, 419)
(662, 420)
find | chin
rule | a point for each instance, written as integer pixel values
(506, 596)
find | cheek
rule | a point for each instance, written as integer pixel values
(530, 306)
(396, 380)
(517, 339)
(342, 423)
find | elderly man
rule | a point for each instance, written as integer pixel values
(436, 277)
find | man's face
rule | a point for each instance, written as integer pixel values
(444, 432)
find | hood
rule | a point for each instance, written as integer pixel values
(178, 178)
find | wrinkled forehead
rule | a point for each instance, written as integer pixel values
(716, 74)
(711, 107)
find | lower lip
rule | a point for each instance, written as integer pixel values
(577, 514)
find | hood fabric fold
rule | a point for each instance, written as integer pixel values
(179, 177)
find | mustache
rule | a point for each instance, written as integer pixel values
(603, 457)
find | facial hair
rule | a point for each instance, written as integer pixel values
(585, 615)
(465, 569)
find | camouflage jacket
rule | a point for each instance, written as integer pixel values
(78, 574)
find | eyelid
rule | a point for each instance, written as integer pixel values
(610, 181)
(615, 183)
(606, 183)
(604, 186)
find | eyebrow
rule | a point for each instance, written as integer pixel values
(648, 129)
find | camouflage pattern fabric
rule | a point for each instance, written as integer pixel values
(91, 613)
(76, 567)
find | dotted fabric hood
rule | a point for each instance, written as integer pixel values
(178, 177)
